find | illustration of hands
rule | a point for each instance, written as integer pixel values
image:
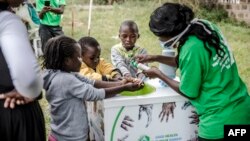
(167, 109)
(194, 137)
(126, 122)
(186, 105)
(195, 118)
(123, 138)
(148, 109)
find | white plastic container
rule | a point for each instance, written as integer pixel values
(166, 69)
(146, 122)
(140, 65)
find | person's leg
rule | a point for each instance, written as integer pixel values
(202, 139)
(23, 123)
(30, 124)
(45, 35)
(5, 123)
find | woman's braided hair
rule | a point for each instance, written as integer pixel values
(171, 19)
(56, 50)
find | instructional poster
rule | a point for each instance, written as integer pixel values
(172, 121)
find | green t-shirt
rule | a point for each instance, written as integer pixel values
(219, 95)
(50, 18)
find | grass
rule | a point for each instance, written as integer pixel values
(106, 21)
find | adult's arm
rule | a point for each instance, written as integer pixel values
(165, 60)
(58, 10)
(46, 9)
(157, 58)
(175, 85)
(17, 51)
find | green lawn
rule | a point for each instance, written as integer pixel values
(106, 21)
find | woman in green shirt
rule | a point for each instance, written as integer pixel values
(209, 76)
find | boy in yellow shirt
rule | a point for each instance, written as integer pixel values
(96, 68)
(93, 66)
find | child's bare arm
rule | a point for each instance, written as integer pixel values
(110, 92)
(106, 84)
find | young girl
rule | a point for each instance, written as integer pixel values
(122, 54)
(66, 89)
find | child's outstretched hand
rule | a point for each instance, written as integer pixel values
(133, 80)
(132, 86)
(128, 79)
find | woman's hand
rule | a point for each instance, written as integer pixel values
(143, 58)
(14, 98)
(153, 72)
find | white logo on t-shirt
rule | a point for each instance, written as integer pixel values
(226, 61)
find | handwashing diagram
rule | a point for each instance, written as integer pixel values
(169, 117)
(194, 116)
(126, 123)
(194, 120)
(148, 110)
(167, 110)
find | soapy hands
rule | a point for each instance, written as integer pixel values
(132, 86)
(133, 80)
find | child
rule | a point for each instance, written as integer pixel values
(66, 89)
(122, 54)
(94, 67)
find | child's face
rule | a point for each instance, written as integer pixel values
(74, 63)
(128, 37)
(91, 56)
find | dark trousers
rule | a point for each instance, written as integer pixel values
(46, 32)
(23, 123)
